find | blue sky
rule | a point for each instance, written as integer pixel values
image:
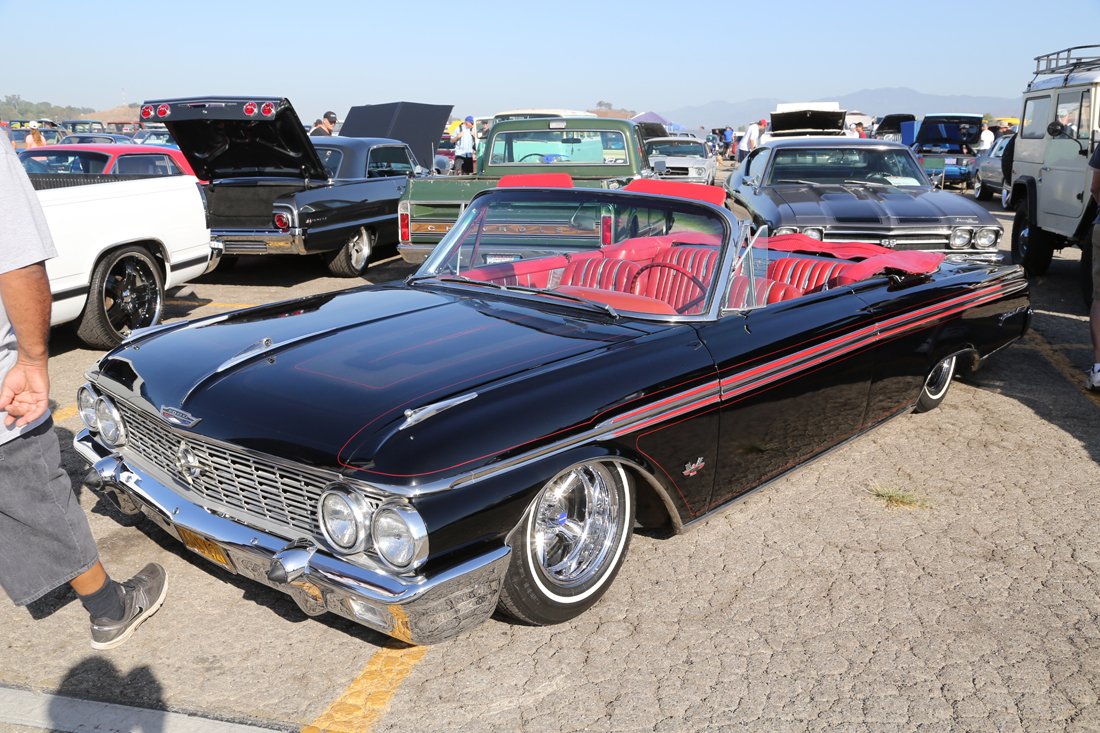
(487, 56)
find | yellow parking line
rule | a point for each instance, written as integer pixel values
(1059, 361)
(62, 414)
(367, 698)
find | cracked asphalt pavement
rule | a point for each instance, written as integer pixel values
(807, 606)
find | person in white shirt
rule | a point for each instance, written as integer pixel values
(749, 140)
(465, 144)
(987, 137)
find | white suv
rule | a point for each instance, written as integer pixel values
(1050, 173)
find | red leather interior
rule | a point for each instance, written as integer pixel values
(622, 301)
(664, 278)
(600, 273)
(767, 291)
(913, 262)
(533, 273)
(804, 273)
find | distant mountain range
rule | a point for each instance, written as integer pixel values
(875, 102)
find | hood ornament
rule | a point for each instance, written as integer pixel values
(412, 417)
(179, 417)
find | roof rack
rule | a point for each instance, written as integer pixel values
(1067, 61)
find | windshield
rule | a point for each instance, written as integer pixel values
(676, 148)
(890, 166)
(546, 147)
(637, 254)
(950, 133)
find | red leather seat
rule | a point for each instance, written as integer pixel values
(767, 291)
(600, 273)
(667, 283)
(806, 274)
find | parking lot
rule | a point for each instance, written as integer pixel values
(810, 605)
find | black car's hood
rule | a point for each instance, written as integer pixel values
(866, 205)
(232, 137)
(328, 380)
(417, 125)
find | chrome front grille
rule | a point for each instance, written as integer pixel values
(677, 171)
(232, 478)
(901, 239)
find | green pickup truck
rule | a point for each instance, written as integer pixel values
(595, 152)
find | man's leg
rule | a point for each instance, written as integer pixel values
(1094, 314)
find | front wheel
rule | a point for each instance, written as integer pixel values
(573, 541)
(936, 385)
(1031, 246)
(351, 259)
(126, 293)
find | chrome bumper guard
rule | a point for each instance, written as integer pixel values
(422, 610)
(260, 241)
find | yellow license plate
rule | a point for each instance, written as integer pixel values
(205, 547)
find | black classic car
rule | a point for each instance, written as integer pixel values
(567, 363)
(274, 190)
(854, 189)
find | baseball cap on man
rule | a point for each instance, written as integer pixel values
(331, 117)
(470, 118)
(763, 122)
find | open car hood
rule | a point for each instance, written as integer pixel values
(239, 137)
(417, 125)
(807, 121)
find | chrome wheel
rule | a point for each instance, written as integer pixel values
(936, 385)
(575, 525)
(571, 543)
(126, 293)
(359, 250)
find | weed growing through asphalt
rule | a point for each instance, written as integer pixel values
(895, 498)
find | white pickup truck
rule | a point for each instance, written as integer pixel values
(120, 244)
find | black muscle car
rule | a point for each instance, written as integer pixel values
(274, 190)
(853, 189)
(568, 362)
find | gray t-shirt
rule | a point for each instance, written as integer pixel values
(24, 240)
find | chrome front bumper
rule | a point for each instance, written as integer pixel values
(260, 241)
(421, 610)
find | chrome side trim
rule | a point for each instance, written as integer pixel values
(420, 414)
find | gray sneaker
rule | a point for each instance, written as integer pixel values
(1093, 381)
(141, 597)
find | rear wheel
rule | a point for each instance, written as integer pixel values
(126, 293)
(936, 385)
(573, 542)
(351, 259)
(981, 191)
(1031, 246)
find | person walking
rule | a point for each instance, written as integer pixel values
(727, 140)
(465, 145)
(34, 138)
(45, 540)
(1093, 379)
(327, 126)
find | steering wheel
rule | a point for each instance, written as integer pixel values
(677, 268)
(531, 155)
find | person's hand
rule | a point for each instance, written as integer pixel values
(25, 393)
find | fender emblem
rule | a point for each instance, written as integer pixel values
(690, 469)
(179, 417)
(889, 243)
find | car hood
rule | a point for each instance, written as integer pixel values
(328, 380)
(221, 139)
(680, 160)
(866, 205)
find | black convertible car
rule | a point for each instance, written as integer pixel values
(853, 189)
(569, 363)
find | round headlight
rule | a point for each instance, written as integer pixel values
(85, 405)
(986, 238)
(699, 171)
(400, 536)
(614, 184)
(960, 238)
(814, 232)
(785, 230)
(109, 421)
(344, 518)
